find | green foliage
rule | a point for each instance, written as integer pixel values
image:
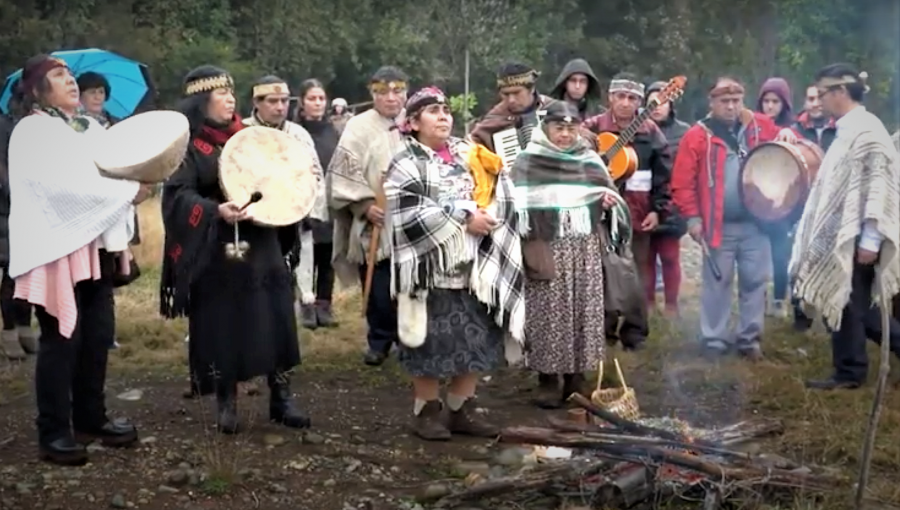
(462, 106)
(343, 41)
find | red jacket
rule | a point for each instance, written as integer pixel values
(698, 175)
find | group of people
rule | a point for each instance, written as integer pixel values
(481, 259)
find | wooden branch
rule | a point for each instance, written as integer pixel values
(628, 425)
(884, 370)
(536, 480)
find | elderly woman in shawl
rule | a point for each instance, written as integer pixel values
(66, 225)
(564, 187)
(457, 274)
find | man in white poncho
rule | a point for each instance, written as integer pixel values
(845, 254)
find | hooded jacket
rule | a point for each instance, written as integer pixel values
(589, 105)
(673, 128)
(779, 87)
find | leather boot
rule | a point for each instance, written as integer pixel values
(28, 338)
(429, 424)
(227, 418)
(467, 421)
(64, 452)
(10, 346)
(308, 317)
(281, 406)
(574, 383)
(324, 316)
(118, 433)
(547, 393)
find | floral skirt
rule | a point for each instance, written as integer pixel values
(564, 321)
(462, 338)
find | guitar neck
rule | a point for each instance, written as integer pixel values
(627, 135)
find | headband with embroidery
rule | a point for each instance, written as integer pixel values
(222, 81)
(526, 79)
(422, 99)
(829, 82)
(383, 87)
(630, 86)
(266, 89)
(726, 87)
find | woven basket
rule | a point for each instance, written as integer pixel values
(620, 401)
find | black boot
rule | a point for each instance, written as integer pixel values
(281, 406)
(227, 419)
(547, 396)
(574, 383)
(64, 452)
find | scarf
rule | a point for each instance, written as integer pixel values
(218, 135)
(556, 187)
(80, 122)
(426, 241)
(858, 182)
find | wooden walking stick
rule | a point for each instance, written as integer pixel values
(374, 241)
(884, 369)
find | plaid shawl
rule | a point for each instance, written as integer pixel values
(427, 241)
(551, 182)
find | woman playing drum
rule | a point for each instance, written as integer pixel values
(241, 311)
(65, 222)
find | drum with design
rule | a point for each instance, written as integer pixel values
(776, 178)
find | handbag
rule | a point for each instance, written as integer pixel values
(120, 279)
(620, 401)
(622, 291)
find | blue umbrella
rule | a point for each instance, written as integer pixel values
(129, 81)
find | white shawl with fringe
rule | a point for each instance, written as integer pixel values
(858, 183)
(59, 201)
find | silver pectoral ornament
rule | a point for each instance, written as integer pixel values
(238, 249)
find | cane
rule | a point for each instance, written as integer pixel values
(713, 265)
(374, 241)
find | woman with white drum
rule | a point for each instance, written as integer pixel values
(66, 224)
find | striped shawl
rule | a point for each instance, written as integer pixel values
(858, 182)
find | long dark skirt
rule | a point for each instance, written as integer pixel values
(462, 338)
(242, 322)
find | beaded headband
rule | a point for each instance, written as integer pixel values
(632, 87)
(526, 79)
(270, 88)
(222, 81)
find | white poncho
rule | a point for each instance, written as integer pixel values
(59, 201)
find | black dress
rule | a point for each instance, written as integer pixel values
(241, 313)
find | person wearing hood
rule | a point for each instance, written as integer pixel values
(578, 85)
(774, 101)
(339, 113)
(665, 241)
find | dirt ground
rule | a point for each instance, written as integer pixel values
(359, 455)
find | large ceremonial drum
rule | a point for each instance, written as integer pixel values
(147, 147)
(275, 164)
(776, 178)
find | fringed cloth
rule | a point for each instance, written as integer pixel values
(555, 187)
(859, 182)
(428, 242)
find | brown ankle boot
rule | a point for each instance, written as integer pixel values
(429, 424)
(468, 422)
(547, 393)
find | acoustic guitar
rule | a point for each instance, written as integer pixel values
(621, 158)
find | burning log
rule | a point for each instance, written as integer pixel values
(641, 450)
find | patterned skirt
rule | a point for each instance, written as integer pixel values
(462, 338)
(564, 324)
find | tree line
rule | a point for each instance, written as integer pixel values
(342, 42)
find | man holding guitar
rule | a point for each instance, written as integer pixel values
(706, 187)
(645, 185)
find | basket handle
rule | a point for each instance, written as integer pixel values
(599, 375)
(620, 374)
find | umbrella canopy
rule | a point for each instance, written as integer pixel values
(129, 81)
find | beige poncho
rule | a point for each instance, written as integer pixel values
(858, 182)
(363, 155)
